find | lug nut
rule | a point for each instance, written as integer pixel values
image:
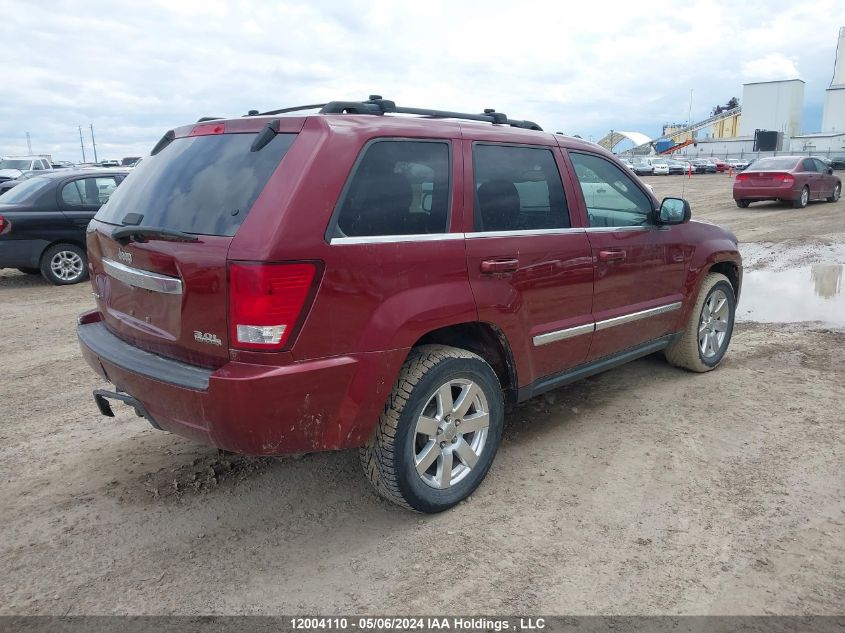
(454, 439)
(457, 422)
(442, 444)
(439, 431)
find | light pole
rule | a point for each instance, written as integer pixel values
(93, 142)
(81, 144)
(611, 141)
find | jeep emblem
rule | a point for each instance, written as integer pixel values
(207, 337)
(124, 256)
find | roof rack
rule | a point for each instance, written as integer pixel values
(376, 105)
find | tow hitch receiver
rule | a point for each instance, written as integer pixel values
(102, 397)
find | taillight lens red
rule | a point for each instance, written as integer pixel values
(5, 225)
(742, 177)
(266, 301)
(784, 178)
(208, 128)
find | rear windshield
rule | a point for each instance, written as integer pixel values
(24, 191)
(773, 163)
(201, 184)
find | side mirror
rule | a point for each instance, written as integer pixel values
(830, 171)
(674, 211)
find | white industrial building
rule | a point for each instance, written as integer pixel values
(772, 105)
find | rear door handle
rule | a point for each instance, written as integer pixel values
(499, 265)
(612, 256)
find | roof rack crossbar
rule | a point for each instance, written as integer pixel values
(313, 106)
(375, 105)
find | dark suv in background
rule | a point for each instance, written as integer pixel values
(284, 284)
(43, 221)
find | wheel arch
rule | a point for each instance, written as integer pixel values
(487, 341)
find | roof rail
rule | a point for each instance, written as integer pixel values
(375, 105)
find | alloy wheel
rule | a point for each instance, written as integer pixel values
(451, 433)
(67, 265)
(713, 324)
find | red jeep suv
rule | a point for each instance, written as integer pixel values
(361, 278)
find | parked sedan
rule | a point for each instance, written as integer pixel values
(797, 179)
(721, 165)
(699, 165)
(838, 162)
(43, 222)
(737, 163)
(643, 168)
(661, 167)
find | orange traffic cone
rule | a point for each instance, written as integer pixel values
(731, 171)
(689, 173)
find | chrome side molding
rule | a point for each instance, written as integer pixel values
(587, 328)
(142, 278)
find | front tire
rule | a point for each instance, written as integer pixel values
(439, 431)
(64, 264)
(742, 204)
(802, 200)
(704, 341)
(836, 193)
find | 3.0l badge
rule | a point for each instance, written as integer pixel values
(207, 337)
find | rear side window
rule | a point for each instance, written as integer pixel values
(202, 184)
(88, 192)
(517, 189)
(26, 191)
(398, 187)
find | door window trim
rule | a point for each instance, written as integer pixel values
(561, 172)
(332, 235)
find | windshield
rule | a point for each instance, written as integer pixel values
(11, 163)
(201, 184)
(24, 191)
(774, 163)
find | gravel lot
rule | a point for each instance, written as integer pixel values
(644, 490)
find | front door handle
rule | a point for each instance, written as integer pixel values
(612, 256)
(499, 265)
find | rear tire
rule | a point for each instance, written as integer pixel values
(836, 193)
(707, 335)
(30, 271)
(742, 204)
(802, 200)
(421, 455)
(64, 264)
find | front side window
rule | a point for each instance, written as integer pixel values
(399, 187)
(610, 195)
(517, 189)
(88, 192)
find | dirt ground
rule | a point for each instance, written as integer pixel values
(644, 490)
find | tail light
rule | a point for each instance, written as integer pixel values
(267, 303)
(5, 225)
(742, 177)
(784, 178)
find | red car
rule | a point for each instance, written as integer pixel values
(721, 166)
(352, 278)
(798, 179)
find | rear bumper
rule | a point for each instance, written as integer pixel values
(325, 404)
(21, 253)
(750, 192)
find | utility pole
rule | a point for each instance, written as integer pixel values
(93, 142)
(81, 144)
(611, 141)
(28, 144)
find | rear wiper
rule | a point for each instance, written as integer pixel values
(142, 233)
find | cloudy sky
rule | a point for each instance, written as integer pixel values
(135, 70)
